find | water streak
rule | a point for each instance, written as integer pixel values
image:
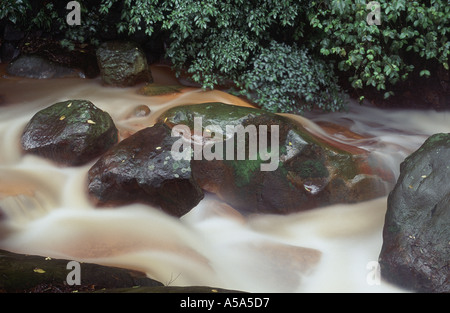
(47, 212)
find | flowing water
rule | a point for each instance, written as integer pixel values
(333, 249)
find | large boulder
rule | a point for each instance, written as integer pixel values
(416, 235)
(122, 64)
(38, 274)
(34, 66)
(141, 169)
(294, 172)
(71, 132)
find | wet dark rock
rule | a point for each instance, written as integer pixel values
(158, 89)
(141, 169)
(122, 64)
(416, 236)
(79, 56)
(141, 111)
(8, 52)
(308, 173)
(34, 66)
(71, 132)
(22, 273)
(39, 274)
(11, 33)
(9, 42)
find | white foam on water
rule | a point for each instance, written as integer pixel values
(328, 249)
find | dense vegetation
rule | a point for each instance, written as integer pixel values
(286, 55)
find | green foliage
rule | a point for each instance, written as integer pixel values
(287, 79)
(14, 10)
(378, 55)
(216, 40)
(220, 42)
(138, 15)
(45, 17)
(285, 55)
(51, 17)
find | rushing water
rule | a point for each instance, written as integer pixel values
(332, 249)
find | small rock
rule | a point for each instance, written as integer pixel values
(141, 111)
(158, 90)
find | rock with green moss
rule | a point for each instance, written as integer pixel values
(416, 236)
(71, 132)
(123, 64)
(159, 89)
(294, 171)
(40, 274)
(141, 169)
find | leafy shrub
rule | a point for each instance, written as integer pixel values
(216, 40)
(382, 55)
(51, 17)
(267, 48)
(287, 79)
(14, 10)
(220, 42)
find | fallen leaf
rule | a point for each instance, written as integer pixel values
(39, 270)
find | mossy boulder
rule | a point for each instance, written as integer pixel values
(416, 235)
(122, 64)
(71, 132)
(294, 171)
(154, 89)
(39, 274)
(141, 169)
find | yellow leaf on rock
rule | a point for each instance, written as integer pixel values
(39, 270)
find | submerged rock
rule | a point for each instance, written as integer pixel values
(141, 169)
(141, 111)
(294, 172)
(71, 132)
(416, 236)
(158, 90)
(122, 64)
(33, 66)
